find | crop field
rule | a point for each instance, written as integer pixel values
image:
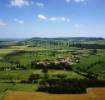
(92, 94)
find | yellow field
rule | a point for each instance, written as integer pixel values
(92, 94)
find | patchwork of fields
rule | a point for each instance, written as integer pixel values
(56, 66)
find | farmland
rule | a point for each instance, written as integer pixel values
(54, 65)
(92, 94)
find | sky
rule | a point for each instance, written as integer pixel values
(52, 18)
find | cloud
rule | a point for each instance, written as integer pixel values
(43, 17)
(19, 21)
(76, 1)
(79, 1)
(20, 3)
(63, 19)
(40, 4)
(52, 18)
(68, 1)
(2, 23)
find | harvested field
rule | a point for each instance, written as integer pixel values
(97, 93)
(92, 94)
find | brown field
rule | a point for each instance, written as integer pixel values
(92, 94)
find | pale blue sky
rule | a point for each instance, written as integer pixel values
(52, 18)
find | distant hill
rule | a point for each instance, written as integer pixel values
(70, 38)
(52, 40)
(66, 39)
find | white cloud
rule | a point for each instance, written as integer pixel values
(76, 1)
(43, 17)
(19, 21)
(20, 3)
(2, 23)
(63, 19)
(53, 19)
(40, 4)
(79, 1)
(68, 1)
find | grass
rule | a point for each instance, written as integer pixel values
(5, 87)
(24, 74)
(5, 51)
(17, 87)
(70, 74)
(18, 75)
(93, 64)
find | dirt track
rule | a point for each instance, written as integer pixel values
(92, 94)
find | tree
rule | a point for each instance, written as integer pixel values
(45, 71)
(93, 51)
(61, 76)
(33, 78)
